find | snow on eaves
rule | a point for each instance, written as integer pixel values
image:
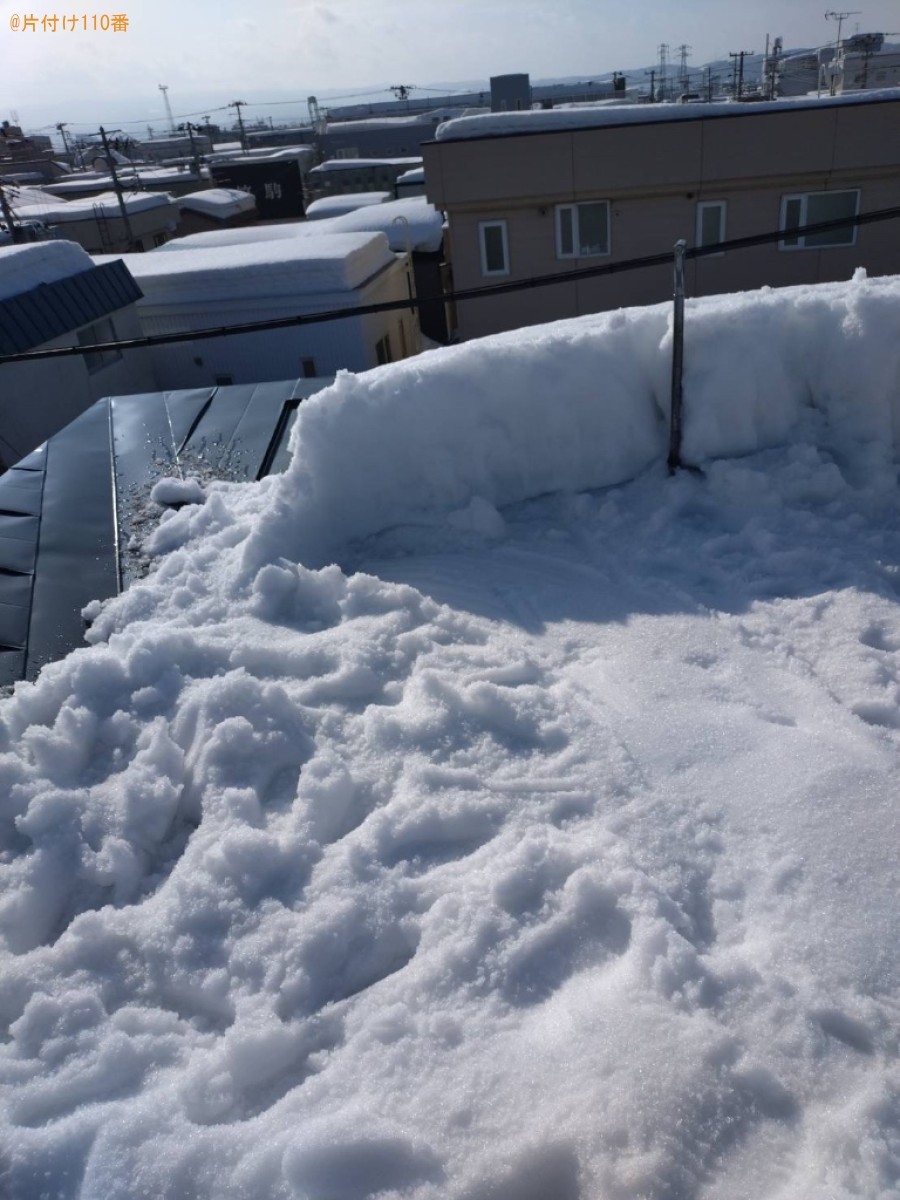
(87, 208)
(345, 202)
(25, 267)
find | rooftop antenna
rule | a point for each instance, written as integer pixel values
(164, 88)
(840, 17)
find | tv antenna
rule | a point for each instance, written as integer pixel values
(841, 17)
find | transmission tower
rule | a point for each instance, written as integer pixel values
(663, 66)
(684, 51)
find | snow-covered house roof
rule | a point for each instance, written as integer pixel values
(88, 208)
(287, 267)
(221, 203)
(336, 206)
(48, 289)
(423, 221)
(506, 124)
(356, 164)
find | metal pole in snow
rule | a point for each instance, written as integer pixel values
(674, 460)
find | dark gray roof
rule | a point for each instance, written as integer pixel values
(49, 310)
(68, 511)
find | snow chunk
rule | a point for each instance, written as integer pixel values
(25, 267)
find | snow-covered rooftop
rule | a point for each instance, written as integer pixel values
(218, 202)
(423, 221)
(355, 164)
(25, 267)
(604, 115)
(88, 207)
(336, 206)
(477, 812)
(284, 267)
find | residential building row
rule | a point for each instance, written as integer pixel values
(532, 194)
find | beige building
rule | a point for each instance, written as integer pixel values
(529, 194)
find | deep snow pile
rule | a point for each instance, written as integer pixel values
(543, 852)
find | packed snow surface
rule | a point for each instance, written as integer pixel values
(286, 267)
(477, 812)
(88, 208)
(25, 267)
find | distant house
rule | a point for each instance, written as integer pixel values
(411, 226)
(537, 193)
(204, 288)
(384, 137)
(215, 208)
(53, 295)
(341, 175)
(96, 222)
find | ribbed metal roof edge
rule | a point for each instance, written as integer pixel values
(49, 310)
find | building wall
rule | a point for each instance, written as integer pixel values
(320, 349)
(654, 176)
(107, 235)
(39, 398)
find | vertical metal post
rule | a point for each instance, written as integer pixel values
(674, 460)
(14, 231)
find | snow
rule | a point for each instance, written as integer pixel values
(355, 164)
(25, 267)
(218, 202)
(336, 206)
(424, 222)
(284, 267)
(476, 812)
(86, 208)
(416, 175)
(603, 115)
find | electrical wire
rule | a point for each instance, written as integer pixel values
(663, 258)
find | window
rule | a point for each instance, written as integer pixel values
(224, 380)
(100, 331)
(492, 239)
(582, 230)
(710, 222)
(383, 350)
(308, 366)
(810, 209)
(160, 239)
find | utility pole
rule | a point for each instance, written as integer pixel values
(238, 105)
(61, 127)
(195, 157)
(118, 187)
(164, 88)
(740, 55)
(652, 83)
(14, 231)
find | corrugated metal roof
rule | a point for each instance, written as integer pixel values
(72, 512)
(49, 310)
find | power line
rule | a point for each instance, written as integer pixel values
(496, 289)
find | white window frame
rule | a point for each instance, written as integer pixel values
(722, 206)
(803, 197)
(500, 224)
(576, 239)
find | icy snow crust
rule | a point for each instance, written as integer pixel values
(546, 847)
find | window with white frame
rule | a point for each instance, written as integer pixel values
(582, 230)
(811, 208)
(710, 222)
(493, 241)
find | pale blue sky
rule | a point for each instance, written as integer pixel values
(209, 52)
